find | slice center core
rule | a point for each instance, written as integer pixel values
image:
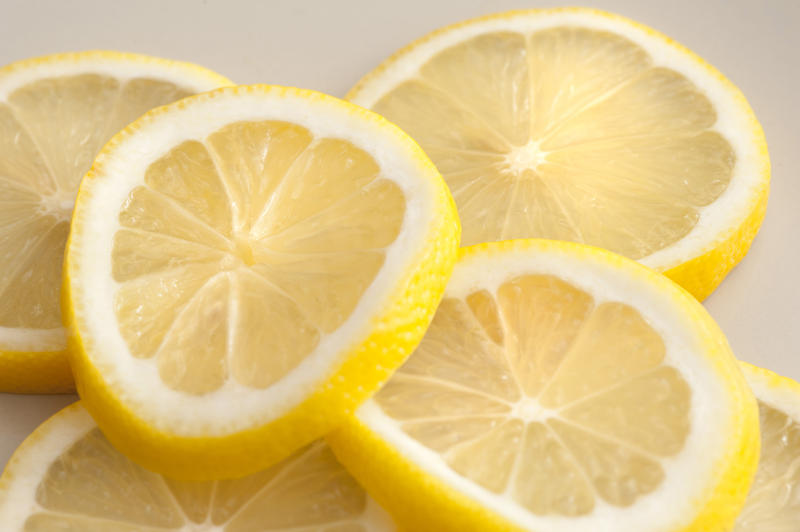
(525, 158)
(59, 204)
(244, 249)
(529, 409)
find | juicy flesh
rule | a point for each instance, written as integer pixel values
(566, 133)
(539, 393)
(94, 488)
(774, 501)
(242, 251)
(50, 132)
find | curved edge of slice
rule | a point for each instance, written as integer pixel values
(777, 482)
(773, 388)
(22, 462)
(25, 369)
(20, 483)
(701, 273)
(391, 337)
(29, 69)
(40, 372)
(421, 501)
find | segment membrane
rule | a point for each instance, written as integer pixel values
(192, 356)
(271, 335)
(573, 67)
(194, 498)
(537, 392)
(139, 95)
(92, 479)
(187, 175)
(498, 90)
(30, 278)
(567, 133)
(92, 487)
(311, 491)
(328, 171)
(490, 459)
(649, 412)
(543, 316)
(468, 360)
(407, 397)
(21, 162)
(290, 230)
(50, 132)
(614, 344)
(548, 480)
(147, 306)
(619, 474)
(68, 120)
(434, 120)
(253, 158)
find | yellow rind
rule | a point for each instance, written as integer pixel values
(702, 273)
(115, 56)
(421, 502)
(35, 372)
(48, 372)
(392, 336)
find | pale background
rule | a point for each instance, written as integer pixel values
(329, 44)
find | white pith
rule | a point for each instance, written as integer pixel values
(131, 67)
(690, 475)
(28, 467)
(735, 121)
(779, 396)
(136, 381)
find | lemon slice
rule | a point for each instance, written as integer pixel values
(562, 388)
(245, 267)
(579, 125)
(774, 501)
(56, 112)
(66, 476)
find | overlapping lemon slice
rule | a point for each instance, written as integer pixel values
(774, 501)
(245, 267)
(56, 112)
(561, 388)
(574, 124)
(66, 476)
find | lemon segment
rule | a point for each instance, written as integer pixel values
(574, 124)
(773, 504)
(267, 257)
(559, 387)
(56, 113)
(67, 476)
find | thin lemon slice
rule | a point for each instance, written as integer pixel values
(774, 501)
(575, 124)
(561, 388)
(56, 112)
(67, 476)
(245, 267)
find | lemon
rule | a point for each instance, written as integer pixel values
(56, 112)
(66, 476)
(575, 124)
(774, 501)
(245, 267)
(563, 388)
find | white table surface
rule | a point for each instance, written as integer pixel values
(328, 45)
